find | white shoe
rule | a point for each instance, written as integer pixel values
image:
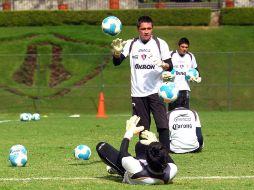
(111, 170)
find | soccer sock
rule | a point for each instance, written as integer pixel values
(164, 137)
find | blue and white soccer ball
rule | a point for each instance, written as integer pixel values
(111, 25)
(82, 152)
(36, 117)
(17, 158)
(25, 117)
(168, 92)
(18, 148)
(168, 75)
(191, 73)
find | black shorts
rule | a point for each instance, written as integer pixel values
(144, 106)
(183, 100)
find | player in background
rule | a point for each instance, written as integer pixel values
(149, 56)
(157, 167)
(182, 61)
(185, 131)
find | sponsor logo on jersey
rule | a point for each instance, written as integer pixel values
(180, 73)
(182, 126)
(143, 56)
(182, 117)
(135, 57)
(144, 50)
(137, 66)
(179, 66)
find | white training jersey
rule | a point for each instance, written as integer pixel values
(137, 173)
(182, 129)
(182, 64)
(145, 76)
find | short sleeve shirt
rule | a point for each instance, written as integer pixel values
(145, 76)
(182, 127)
(182, 64)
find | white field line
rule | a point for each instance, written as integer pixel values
(94, 178)
(5, 121)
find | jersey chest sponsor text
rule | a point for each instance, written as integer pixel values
(144, 50)
(138, 66)
(180, 73)
(181, 126)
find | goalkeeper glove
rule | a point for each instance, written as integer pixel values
(117, 45)
(196, 79)
(157, 61)
(131, 127)
(148, 137)
(168, 75)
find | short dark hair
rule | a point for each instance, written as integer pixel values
(144, 19)
(157, 156)
(183, 41)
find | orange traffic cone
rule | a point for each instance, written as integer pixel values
(101, 109)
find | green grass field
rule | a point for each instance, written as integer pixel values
(225, 64)
(226, 162)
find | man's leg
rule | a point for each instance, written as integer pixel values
(160, 116)
(109, 155)
(141, 108)
(184, 99)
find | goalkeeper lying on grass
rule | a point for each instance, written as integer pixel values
(154, 167)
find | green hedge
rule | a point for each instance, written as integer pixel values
(237, 16)
(174, 17)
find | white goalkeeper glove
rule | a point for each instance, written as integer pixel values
(118, 45)
(156, 61)
(196, 79)
(131, 127)
(148, 137)
(168, 75)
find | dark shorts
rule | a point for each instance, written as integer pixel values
(144, 106)
(183, 100)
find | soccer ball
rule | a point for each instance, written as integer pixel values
(191, 73)
(168, 75)
(111, 25)
(17, 158)
(82, 152)
(36, 117)
(26, 117)
(168, 92)
(18, 148)
(29, 116)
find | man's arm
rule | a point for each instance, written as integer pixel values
(117, 60)
(198, 71)
(168, 65)
(131, 129)
(117, 48)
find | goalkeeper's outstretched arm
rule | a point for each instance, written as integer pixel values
(117, 48)
(118, 60)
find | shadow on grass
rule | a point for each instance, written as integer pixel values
(84, 163)
(116, 178)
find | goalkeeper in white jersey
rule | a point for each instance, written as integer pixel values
(182, 61)
(155, 166)
(185, 131)
(149, 56)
